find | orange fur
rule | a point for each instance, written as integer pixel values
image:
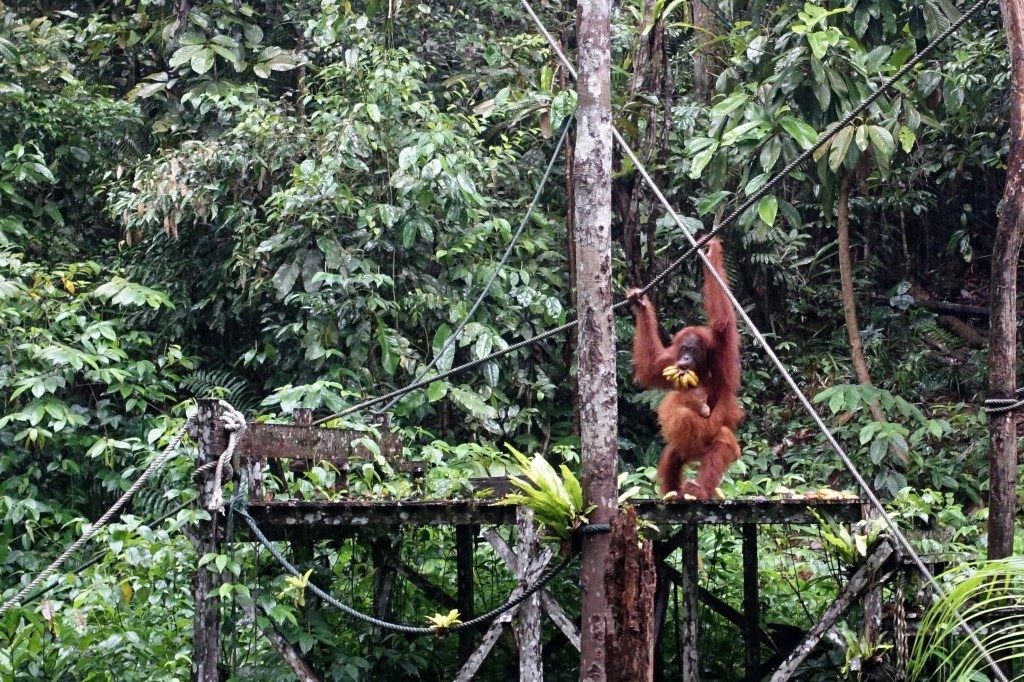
(688, 435)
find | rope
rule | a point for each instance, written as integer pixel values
(885, 87)
(494, 275)
(234, 423)
(695, 246)
(510, 604)
(1003, 405)
(99, 556)
(91, 531)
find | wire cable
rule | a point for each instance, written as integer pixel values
(695, 246)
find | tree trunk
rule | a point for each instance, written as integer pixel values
(631, 582)
(1002, 369)
(206, 616)
(596, 349)
(706, 27)
(860, 364)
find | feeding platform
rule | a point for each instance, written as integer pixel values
(266, 448)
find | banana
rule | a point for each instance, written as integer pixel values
(681, 379)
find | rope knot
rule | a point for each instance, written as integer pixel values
(234, 423)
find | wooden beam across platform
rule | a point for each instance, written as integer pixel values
(326, 518)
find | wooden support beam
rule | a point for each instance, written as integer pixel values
(751, 605)
(288, 653)
(206, 616)
(720, 607)
(689, 654)
(464, 544)
(527, 626)
(327, 518)
(660, 610)
(858, 582)
(526, 578)
(426, 587)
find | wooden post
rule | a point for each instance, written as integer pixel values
(689, 654)
(751, 604)
(464, 580)
(1002, 370)
(596, 346)
(206, 617)
(527, 627)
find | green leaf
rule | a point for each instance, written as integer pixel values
(818, 40)
(183, 55)
(444, 363)
(840, 146)
(285, 278)
(374, 112)
(729, 104)
(436, 391)
(390, 352)
(202, 60)
(768, 208)
(907, 138)
(885, 147)
(472, 403)
(711, 202)
(701, 160)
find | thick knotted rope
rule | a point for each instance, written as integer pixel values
(234, 423)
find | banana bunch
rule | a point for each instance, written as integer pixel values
(679, 378)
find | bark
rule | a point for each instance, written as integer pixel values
(707, 28)
(1002, 370)
(630, 582)
(860, 364)
(527, 627)
(596, 349)
(206, 617)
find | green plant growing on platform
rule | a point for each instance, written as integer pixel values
(852, 542)
(556, 501)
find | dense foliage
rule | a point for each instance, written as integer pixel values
(293, 204)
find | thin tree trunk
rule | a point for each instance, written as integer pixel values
(860, 364)
(706, 28)
(1002, 369)
(596, 350)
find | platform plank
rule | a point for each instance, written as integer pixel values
(329, 518)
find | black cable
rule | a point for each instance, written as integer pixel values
(510, 604)
(726, 222)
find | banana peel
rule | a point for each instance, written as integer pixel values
(679, 379)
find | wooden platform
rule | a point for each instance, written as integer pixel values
(329, 519)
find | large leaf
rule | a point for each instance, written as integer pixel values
(885, 147)
(472, 403)
(803, 133)
(840, 146)
(768, 208)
